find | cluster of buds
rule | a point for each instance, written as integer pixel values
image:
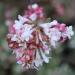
(31, 42)
(35, 12)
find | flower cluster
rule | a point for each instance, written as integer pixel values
(32, 43)
(35, 12)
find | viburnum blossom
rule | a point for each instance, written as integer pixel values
(32, 43)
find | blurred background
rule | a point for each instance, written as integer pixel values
(63, 57)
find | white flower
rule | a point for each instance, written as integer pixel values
(54, 22)
(69, 32)
(22, 19)
(33, 17)
(54, 36)
(53, 33)
(46, 49)
(18, 52)
(45, 27)
(27, 34)
(34, 6)
(19, 62)
(14, 38)
(19, 23)
(45, 57)
(48, 25)
(38, 61)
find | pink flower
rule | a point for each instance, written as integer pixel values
(61, 27)
(35, 9)
(31, 41)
